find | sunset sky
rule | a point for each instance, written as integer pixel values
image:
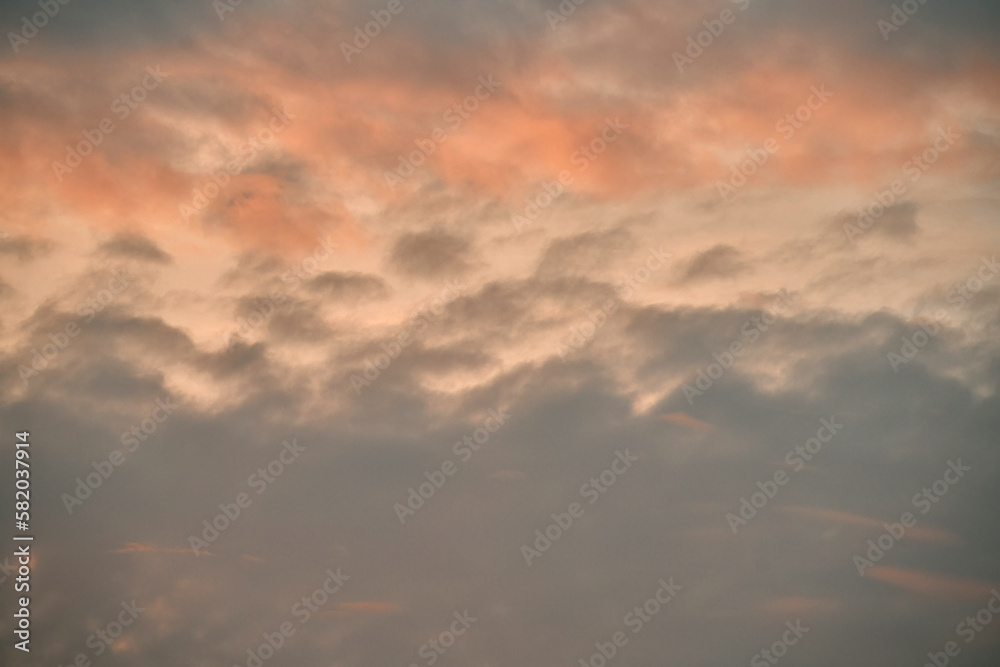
(524, 311)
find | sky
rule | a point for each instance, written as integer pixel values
(522, 332)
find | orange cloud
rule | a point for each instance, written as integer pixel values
(369, 607)
(929, 583)
(918, 532)
(802, 605)
(687, 421)
(137, 547)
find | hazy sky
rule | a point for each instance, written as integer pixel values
(625, 332)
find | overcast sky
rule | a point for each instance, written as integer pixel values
(519, 311)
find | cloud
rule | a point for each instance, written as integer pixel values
(201, 325)
(431, 254)
(25, 248)
(348, 286)
(136, 547)
(720, 261)
(134, 247)
(931, 583)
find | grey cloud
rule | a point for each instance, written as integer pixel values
(720, 261)
(431, 254)
(348, 286)
(135, 247)
(25, 248)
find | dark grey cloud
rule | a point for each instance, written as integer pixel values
(431, 254)
(585, 253)
(719, 261)
(135, 247)
(333, 507)
(348, 286)
(25, 248)
(251, 268)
